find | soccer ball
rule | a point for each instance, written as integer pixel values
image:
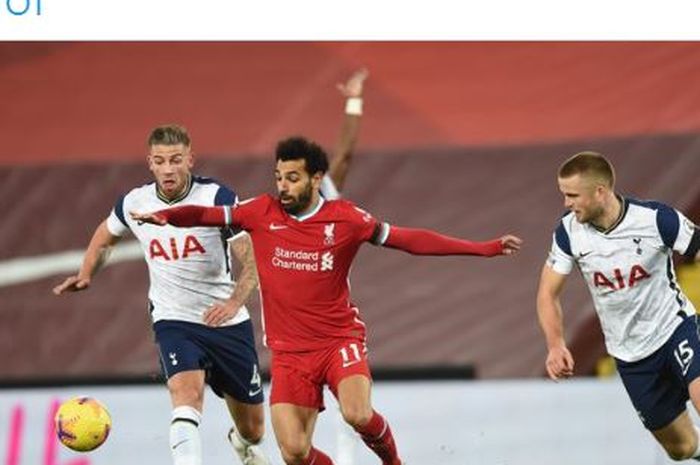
(82, 424)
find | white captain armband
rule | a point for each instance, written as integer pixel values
(227, 215)
(380, 234)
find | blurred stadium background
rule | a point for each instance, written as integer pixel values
(460, 137)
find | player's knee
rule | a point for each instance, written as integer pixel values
(356, 416)
(187, 395)
(294, 451)
(679, 450)
(251, 428)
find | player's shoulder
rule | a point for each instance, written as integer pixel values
(651, 208)
(344, 206)
(260, 202)
(567, 222)
(210, 190)
(140, 193)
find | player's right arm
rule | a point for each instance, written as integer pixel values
(188, 216)
(559, 363)
(95, 256)
(340, 163)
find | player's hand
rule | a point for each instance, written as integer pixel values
(353, 86)
(220, 313)
(150, 218)
(510, 244)
(72, 284)
(560, 363)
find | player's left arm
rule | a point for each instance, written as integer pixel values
(241, 248)
(427, 242)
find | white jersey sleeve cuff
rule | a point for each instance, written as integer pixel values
(559, 261)
(115, 226)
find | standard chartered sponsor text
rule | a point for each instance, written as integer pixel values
(295, 259)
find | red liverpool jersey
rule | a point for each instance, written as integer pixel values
(303, 265)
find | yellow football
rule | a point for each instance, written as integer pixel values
(82, 424)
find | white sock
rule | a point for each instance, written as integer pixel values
(185, 441)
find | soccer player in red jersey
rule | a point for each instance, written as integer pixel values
(304, 246)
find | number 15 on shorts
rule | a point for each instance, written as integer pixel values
(352, 353)
(684, 355)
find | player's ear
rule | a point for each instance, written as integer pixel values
(190, 161)
(316, 179)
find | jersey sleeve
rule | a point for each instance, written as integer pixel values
(116, 221)
(677, 232)
(247, 213)
(227, 197)
(560, 258)
(368, 227)
(328, 188)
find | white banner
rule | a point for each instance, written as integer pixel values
(581, 422)
(360, 20)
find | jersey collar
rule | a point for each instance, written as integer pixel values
(306, 216)
(624, 206)
(185, 192)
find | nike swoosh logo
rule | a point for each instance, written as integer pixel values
(275, 227)
(180, 443)
(254, 393)
(581, 254)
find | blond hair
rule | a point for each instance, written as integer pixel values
(591, 164)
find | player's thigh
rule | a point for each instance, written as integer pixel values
(658, 396)
(233, 368)
(354, 393)
(293, 426)
(678, 437)
(187, 388)
(249, 418)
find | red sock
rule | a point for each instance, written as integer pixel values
(377, 435)
(316, 457)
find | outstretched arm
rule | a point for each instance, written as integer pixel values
(426, 242)
(352, 91)
(95, 256)
(559, 363)
(187, 216)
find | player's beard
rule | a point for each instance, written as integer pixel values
(300, 203)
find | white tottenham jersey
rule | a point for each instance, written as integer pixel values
(188, 267)
(629, 272)
(328, 188)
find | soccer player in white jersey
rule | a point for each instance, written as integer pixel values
(201, 324)
(623, 248)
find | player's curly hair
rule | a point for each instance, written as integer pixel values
(589, 164)
(169, 134)
(300, 148)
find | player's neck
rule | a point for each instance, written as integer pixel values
(611, 215)
(175, 196)
(313, 206)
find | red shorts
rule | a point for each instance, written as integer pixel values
(298, 377)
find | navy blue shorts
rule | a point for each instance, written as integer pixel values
(227, 354)
(658, 384)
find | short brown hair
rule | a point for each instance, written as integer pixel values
(169, 134)
(591, 164)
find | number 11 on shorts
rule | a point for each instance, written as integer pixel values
(350, 354)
